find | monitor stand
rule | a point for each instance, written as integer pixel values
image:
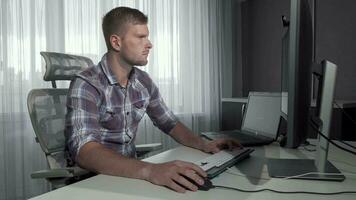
(302, 169)
(320, 168)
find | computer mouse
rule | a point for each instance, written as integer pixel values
(206, 185)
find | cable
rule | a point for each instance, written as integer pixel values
(345, 113)
(305, 144)
(347, 144)
(229, 171)
(318, 173)
(307, 149)
(313, 145)
(350, 118)
(332, 142)
(283, 192)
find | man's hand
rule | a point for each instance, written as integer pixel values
(186, 137)
(219, 144)
(172, 174)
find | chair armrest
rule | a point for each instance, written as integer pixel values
(148, 147)
(143, 149)
(52, 173)
(59, 173)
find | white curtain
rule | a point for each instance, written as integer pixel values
(185, 62)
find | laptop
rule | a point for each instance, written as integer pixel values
(260, 121)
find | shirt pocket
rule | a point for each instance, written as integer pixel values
(139, 110)
(112, 119)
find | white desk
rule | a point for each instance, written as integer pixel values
(253, 172)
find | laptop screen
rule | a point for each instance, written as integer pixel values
(262, 114)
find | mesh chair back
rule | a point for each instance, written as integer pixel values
(47, 109)
(61, 66)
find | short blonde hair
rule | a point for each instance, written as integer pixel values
(116, 20)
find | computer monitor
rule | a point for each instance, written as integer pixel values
(297, 55)
(297, 64)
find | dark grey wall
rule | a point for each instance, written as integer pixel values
(231, 71)
(261, 43)
(262, 33)
(336, 41)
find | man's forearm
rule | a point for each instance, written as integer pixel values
(186, 137)
(95, 157)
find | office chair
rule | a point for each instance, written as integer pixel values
(47, 110)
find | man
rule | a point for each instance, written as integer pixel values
(107, 101)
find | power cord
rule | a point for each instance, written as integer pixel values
(318, 173)
(350, 118)
(283, 192)
(347, 144)
(229, 171)
(345, 113)
(332, 142)
(307, 149)
(305, 146)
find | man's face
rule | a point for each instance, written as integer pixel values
(135, 45)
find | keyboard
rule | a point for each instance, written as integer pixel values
(217, 163)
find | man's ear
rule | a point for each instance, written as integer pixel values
(115, 42)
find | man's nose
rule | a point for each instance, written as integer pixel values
(149, 44)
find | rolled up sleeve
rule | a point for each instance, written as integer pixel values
(82, 119)
(161, 116)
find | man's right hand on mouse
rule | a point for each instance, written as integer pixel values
(174, 175)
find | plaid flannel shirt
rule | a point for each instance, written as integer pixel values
(100, 110)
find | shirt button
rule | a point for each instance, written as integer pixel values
(127, 113)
